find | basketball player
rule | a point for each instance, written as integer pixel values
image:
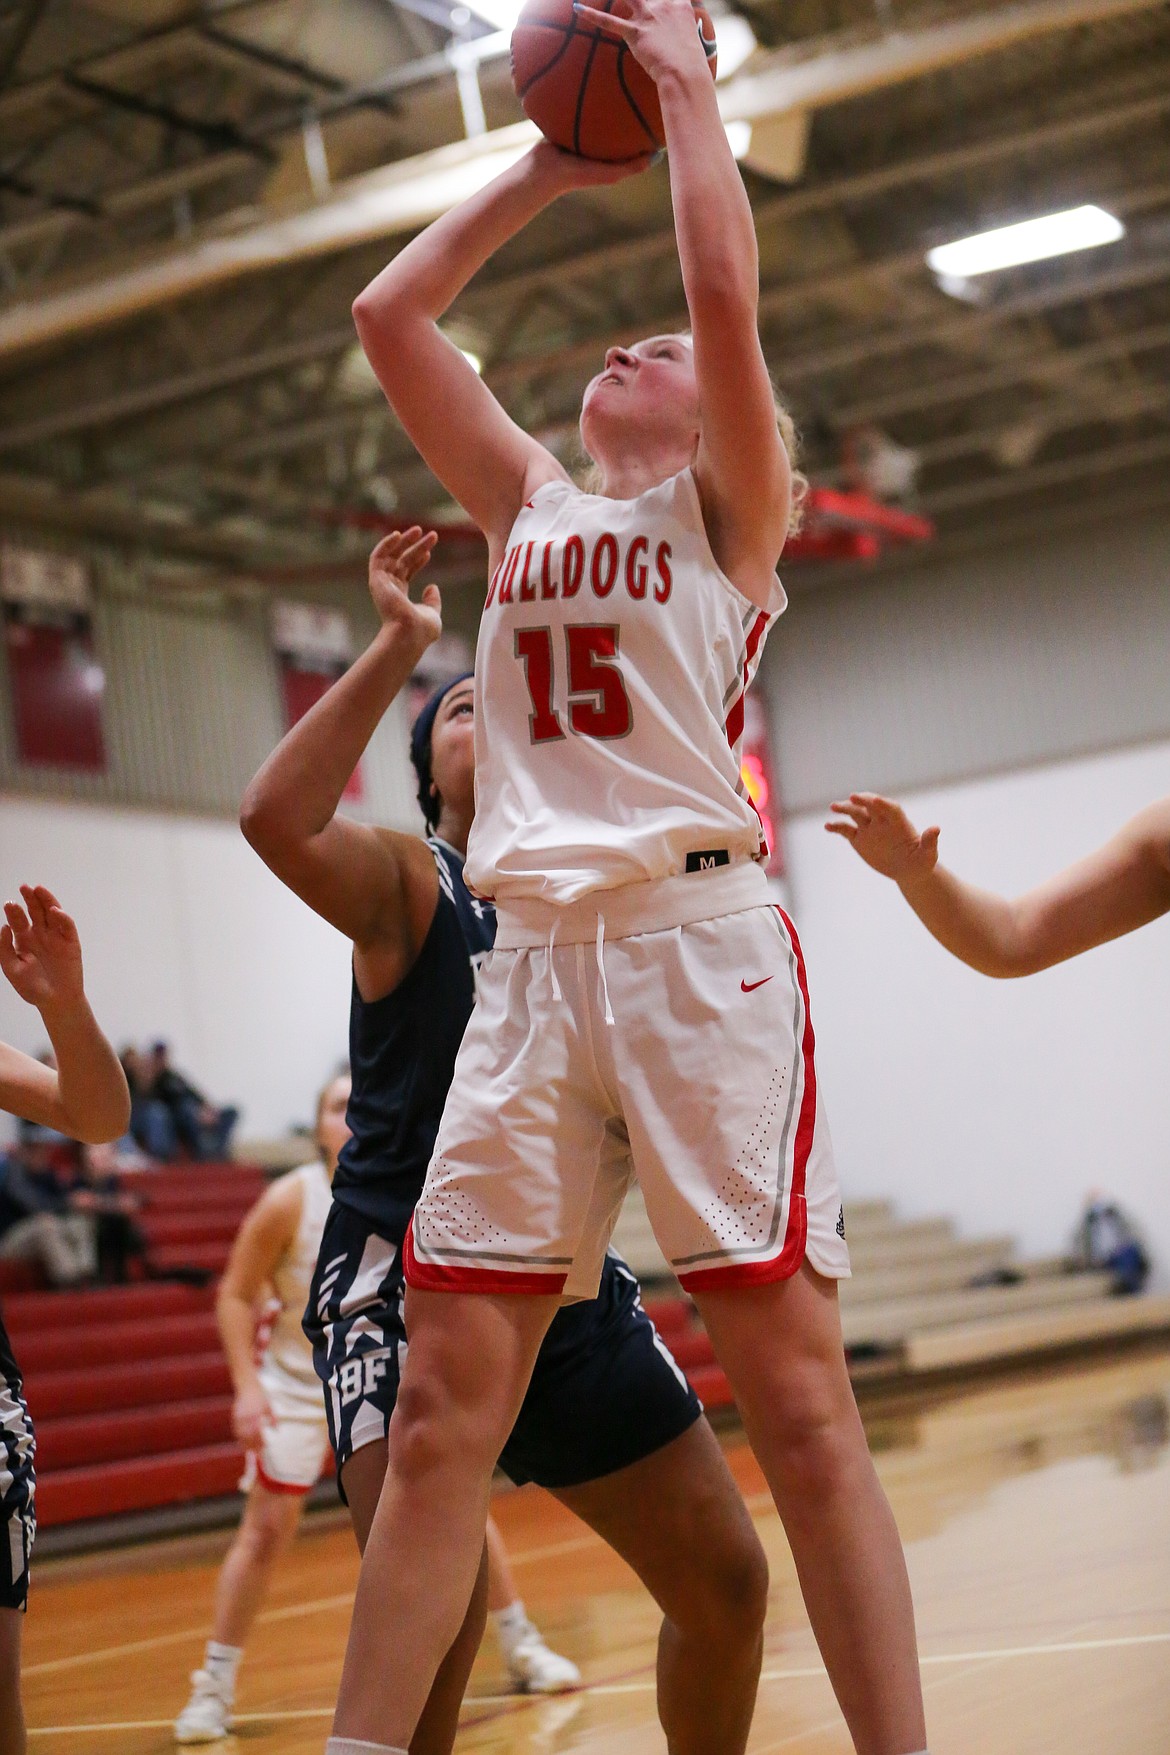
(86, 1098)
(277, 1414)
(1123, 885)
(609, 1425)
(645, 1006)
(279, 1418)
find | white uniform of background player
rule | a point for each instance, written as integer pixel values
(294, 1444)
(643, 982)
(279, 1417)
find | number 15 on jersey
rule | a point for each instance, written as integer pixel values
(598, 705)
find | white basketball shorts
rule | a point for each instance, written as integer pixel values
(295, 1446)
(684, 1057)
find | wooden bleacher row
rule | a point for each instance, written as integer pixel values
(922, 1299)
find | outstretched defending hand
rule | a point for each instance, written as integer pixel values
(885, 837)
(393, 564)
(40, 952)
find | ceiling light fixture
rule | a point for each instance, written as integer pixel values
(502, 13)
(1032, 240)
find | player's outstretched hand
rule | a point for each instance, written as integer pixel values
(393, 564)
(40, 951)
(885, 837)
(251, 1413)
(662, 34)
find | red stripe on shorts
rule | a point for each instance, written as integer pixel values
(784, 1265)
(428, 1276)
(271, 1486)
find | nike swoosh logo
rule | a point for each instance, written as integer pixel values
(750, 986)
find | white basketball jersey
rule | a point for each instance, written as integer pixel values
(611, 669)
(288, 1353)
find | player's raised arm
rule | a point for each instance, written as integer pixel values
(1123, 885)
(261, 1242)
(742, 467)
(485, 461)
(352, 874)
(86, 1096)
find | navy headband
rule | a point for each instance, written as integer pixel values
(420, 744)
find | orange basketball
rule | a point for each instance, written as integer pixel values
(586, 93)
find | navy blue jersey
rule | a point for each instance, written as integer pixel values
(402, 1052)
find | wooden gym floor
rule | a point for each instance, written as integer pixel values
(1036, 1516)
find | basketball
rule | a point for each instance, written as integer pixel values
(585, 93)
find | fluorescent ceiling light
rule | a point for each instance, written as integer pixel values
(735, 40)
(739, 137)
(473, 360)
(1032, 240)
(502, 13)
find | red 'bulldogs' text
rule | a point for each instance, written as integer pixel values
(535, 572)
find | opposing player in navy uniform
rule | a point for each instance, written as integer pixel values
(608, 1425)
(84, 1096)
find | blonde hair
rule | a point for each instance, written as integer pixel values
(591, 480)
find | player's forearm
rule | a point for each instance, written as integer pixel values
(236, 1322)
(712, 215)
(429, 274)
(296, 793)
(94, 1096)
(977, 927)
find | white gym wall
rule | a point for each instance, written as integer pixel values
(1021, 698)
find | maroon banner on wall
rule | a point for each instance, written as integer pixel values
(56, 680)
(314, 647)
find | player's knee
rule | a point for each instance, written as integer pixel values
(812, 1424)
(737, 1584)
(264, 1536)
(434, 1426)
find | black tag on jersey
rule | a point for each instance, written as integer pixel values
(709, 860)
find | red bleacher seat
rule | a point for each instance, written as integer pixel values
(162, 1337)
(710, 1384)
(145, 1383)
(179, 1228)
(19, 1276)
(39, 1312)
(138, 1483)
(78, 1439)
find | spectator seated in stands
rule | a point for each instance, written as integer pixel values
(168, 1114)
(37, 1221)
(64, 1210)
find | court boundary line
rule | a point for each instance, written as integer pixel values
(1054, 1648)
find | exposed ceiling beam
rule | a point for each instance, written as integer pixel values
(1106, 460)
(1103, 118)
(35, 503)
(184, 385)
(790, 81)
(1047, 367)
(404, 195)
(20, 29)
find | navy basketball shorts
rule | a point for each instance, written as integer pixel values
(17, 1485)
(605, 1391)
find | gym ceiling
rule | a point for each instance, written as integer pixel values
(191, 195)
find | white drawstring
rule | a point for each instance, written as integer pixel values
(609, 1017)
(552, 968)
